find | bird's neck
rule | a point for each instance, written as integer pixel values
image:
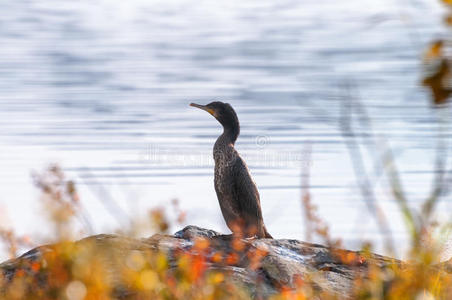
(230, 133)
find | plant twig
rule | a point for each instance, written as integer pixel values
(364, 182)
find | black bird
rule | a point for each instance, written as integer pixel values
(236, 190)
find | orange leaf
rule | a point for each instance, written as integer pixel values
(232, 259)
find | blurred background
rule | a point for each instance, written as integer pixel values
(102, 88)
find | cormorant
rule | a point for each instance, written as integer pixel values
(236, 191)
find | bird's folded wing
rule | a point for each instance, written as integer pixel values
(247, 193)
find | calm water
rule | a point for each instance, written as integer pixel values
(103, 89)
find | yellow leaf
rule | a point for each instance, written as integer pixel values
(435, 50)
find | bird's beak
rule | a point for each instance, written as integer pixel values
(203, 107)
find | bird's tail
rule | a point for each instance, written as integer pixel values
(266, 234)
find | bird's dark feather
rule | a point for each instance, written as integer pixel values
(246, 193)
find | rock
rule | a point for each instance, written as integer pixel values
(262, 266)
(191, 232)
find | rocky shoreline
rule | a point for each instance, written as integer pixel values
(263, 267)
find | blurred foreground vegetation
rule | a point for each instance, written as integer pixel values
(110, 267)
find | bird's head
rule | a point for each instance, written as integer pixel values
(223, 112)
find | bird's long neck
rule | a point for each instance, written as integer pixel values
(231, 132)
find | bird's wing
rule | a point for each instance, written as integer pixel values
(247, 194)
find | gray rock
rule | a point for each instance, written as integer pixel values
(282, 264)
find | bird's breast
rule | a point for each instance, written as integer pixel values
(224, 162)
